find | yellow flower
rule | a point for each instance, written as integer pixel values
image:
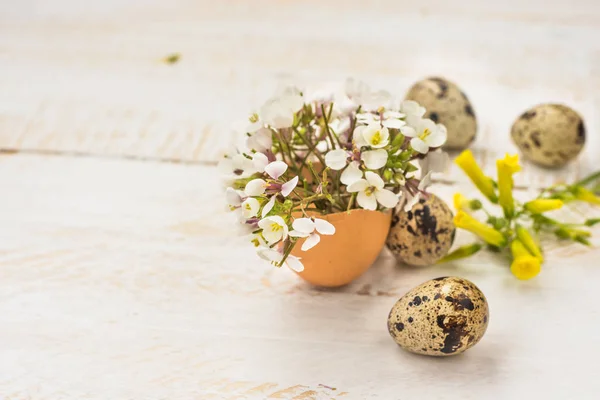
(467, 163)
(487, 233)
(507, 166)
(542, 205)
(529, 242)
(524, 265)
(460, 202)
(583, 194)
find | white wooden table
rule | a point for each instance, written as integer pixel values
(119, 278)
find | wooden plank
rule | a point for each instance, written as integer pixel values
(92, 83)
(121, 279)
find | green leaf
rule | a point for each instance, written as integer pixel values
(461, 252)
(592, 221)
(582, 240)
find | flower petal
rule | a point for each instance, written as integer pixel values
(268, 207)
(375, 159)
(261, 140)
(387, 198)
(250, 207)
(393, 123)
(324, 227)
(411, 201)
(351, 174)
(437, 137)
(270, 255)
(425, 181)
(368, 202)
(374, 180)
(304, 225)
(359, 140)
(255, 187)
(259, 161)
(358, 186)
(290, 185)
(336, 159)
(233, 197)
(295, 233)
(408, 131)
(419, 145)
(276, 169)
(410, 107)
(294, 263)
(311, 241)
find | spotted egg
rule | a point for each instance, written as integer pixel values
(550, 135)
(441, 317)
(447, 104)
(422, 235)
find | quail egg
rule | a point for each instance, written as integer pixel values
(448, 105)
(422, 235)
(441, 317)
(550, 135)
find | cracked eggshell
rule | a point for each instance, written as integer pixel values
(422, 235)
(441, 317)
(447, 104)
(550, 135)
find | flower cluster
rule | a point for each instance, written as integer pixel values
(310, 155)
(509, 232)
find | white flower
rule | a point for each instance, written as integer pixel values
(236, 166)
(367, 118)
(250, 208)
(425, 134)
(255, 123)
(412, 109)
(274, 229)
(374, 159)
(373, 135)
(336, 159)
(410, 199)
(286, 189)
(278, 112)
(360, 93)
(392, 120)
(305, 227)
(259, 162)
(256, 187)
(352, 173)
(371, 191)
(234, 197)
(340, 125)
(275, 257)
(435, 161)
(261, 140)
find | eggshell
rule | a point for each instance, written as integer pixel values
(422, 235)
(447, 104)
(441, 317)
(550, 135)
(340, 258)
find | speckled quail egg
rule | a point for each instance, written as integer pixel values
(448, 105)
(550, 135)
(422, 235)
(441, 317)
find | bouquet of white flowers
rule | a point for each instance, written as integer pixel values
(311, 155)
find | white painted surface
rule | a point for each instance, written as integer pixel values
(119, 279)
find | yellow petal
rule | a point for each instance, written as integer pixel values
(506, 168)
(525, 267)
(542, 205)
(529, 243)
(487, 233)
(467, 163)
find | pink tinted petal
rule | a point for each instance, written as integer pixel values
(294, 264)
(304, 225)
(276, 169)
(324, 227)
(268, 207)
(358, 186)
(287, 187)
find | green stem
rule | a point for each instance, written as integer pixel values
(589, 179)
